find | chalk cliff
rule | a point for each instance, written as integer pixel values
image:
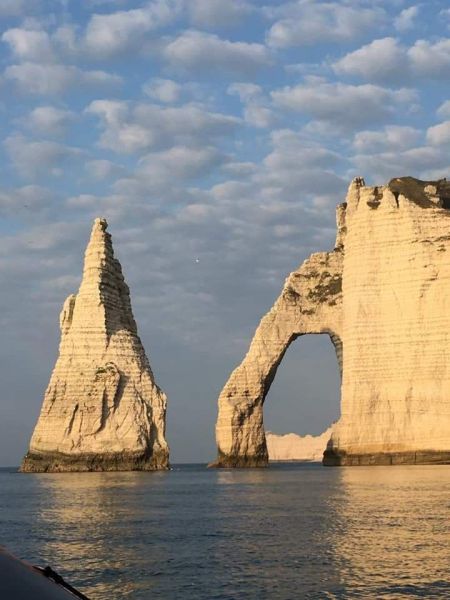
(311, 302)
(102, 409)
(291, 446)
(382, 295)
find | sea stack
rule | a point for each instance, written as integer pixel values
(382, 295)
(102, 410)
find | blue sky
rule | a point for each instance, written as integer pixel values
(216, 138)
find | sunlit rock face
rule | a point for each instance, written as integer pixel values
(102, 409)
(396, 379)
(382, 295)
(310, 302)
(293, 447)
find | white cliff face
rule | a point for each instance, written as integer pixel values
(291, 446)
(383, 296)
(396, 288)
(102, 409)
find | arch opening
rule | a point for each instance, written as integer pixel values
(304, 398)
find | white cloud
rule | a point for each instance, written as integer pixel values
(101, 169)
(387, 60)
(239, 170)
(444, 110)
(258, 115)
(256, 109)
(136, 128)
(24, 201)
(439, 135)
(217, 13)
(179, 164)
(292, 150)
(95, 3)
(33, 159)
(431, 59)
(65, 41)
(29, 44)
(303, 23)
(381, 60)
(446, 14)
(53, 79)
(199, 51)
(245, 91)
(111, 34)
(405, 20)
(163, 90)
(423, 162)
(391, 137)
(342, 106)
(49, 120)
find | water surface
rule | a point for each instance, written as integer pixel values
(287, 532)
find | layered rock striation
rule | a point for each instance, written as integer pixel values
(382, 295)
(294, 447)
(310, 302)
(102, 409)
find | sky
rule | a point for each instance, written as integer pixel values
(216, 137)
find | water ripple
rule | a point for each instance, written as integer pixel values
(294, 531)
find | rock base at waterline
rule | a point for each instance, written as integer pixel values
(244, 462)
(125, 461)
(424, 457)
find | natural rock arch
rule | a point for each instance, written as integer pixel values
(382, 296)
(311, 302)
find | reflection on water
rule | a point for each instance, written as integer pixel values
(294, 531)
(85, 515)
(391, 532)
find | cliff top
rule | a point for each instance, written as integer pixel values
(421, 192)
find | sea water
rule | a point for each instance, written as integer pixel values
(294, 531)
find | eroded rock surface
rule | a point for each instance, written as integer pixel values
(102, 409)
(382, 295)
(309, 303)
(294, 447)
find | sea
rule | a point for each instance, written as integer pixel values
(291, 531)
